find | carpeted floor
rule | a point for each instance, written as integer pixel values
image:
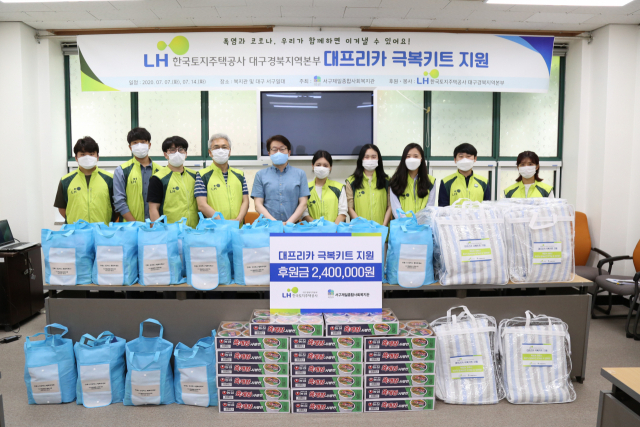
(608, 347)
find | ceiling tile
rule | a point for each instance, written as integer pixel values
(571, 27)
(122, 14)
(342, 22)
(560, 18)
(169, 22)
(23, 7)
(72, 6)
(106, 24)
(376, 12)
(317, 12)
(211, 3)
(288, 21)
(61, 16)
(445, 13)
(614, 19)
(476, 5)
(424, 4)
(348, 3)
(221, 22)
(14, 16)
(187, 12)
(53, 25)
(620, 10)
(404, 23)
(539, 9)
(244, 11)
(147, 4)
(299, 3)
(486, 15)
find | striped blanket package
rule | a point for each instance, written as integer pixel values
(540, 241)
(467, 372)
(535, 357)
(471, 244)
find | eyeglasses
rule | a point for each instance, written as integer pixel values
(282, 149)
(180, 150)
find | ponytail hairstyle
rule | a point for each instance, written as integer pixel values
(398, 182)
(358, 174)
(533, 157)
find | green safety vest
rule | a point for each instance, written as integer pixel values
(179, 200)
(223, 197)
(537, 189)
(409, 200)
(92, 204)
(456, 186)
(370, 202)
(326, 207)
(133, 187)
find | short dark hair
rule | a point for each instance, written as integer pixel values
(137, 134)
(174, 141)
(534, 159)
(279, 138)
(465, 148)
(86, 145)
(322, 154)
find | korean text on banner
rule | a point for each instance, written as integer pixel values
(326, 273)
(418, 61)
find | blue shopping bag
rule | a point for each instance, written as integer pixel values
(101, 371)
(251, 256)
(68, 256)
(218, 219)
(158, 254)
(50, 368)
(206, 254)
(116, 249)
(195, 373)
(362, 225)
(81, 224)
(149, 378)
(319, 225)
(410, 255)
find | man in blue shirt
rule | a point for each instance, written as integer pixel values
(280, 192)
(131, 179)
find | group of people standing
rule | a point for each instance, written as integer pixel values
(141, 189)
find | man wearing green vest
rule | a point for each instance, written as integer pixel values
(131, 179)
(464, 184)
(219, 187)
(86, 193)
(171, 188)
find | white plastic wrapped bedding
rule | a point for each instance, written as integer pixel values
(466, 368)
(540, 241)
(535, 358)
(471, 241)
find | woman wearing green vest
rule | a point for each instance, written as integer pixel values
(411, 185)
(528, 184)
(328, 198)
(171, 188)
(366, 189)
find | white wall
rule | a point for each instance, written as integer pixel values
(33, 135)
(602, 136)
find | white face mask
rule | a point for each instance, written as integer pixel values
(321, 172)
(527, 171)
(140, 150)
(370, 164)
(465, 164)
(88, 162)
(220, 155)
(177, 159)
(412, 163)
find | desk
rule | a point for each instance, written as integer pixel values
(621, 406)
(189, 315)
(21, 294)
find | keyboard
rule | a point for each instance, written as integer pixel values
(16, 246)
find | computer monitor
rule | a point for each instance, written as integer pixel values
(5, 232)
